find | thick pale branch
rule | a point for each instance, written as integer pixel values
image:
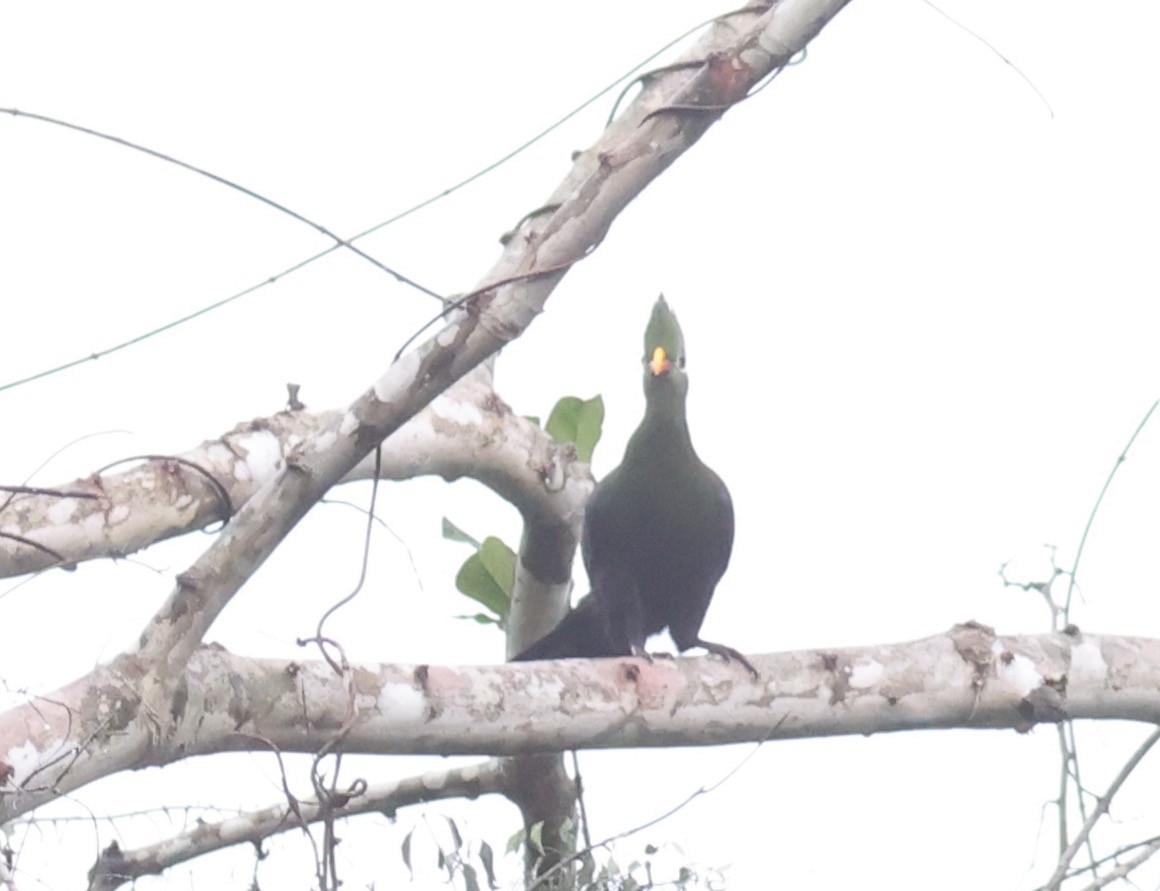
(468, 431)
(969, 677)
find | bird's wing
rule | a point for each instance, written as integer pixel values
(714, 547)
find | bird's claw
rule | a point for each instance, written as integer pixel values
(730, 655)
(641, 653)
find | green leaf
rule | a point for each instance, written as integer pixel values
(474, 581)
(536, 837)
(453, 533)
(513, 843)
(483, 619)
(500, 562)
(488, 860)
(577, 421)
(470, 882)
(455, 836)
(488, 575)
(407, 853)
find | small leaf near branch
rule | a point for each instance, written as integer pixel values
(406, 851)
(483, 619)
(453, 533)
(487, 577)
(513, 843)
(487, 858)
(536, 837)
(578, 421)
(500, 562)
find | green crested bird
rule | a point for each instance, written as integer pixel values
(658, 530)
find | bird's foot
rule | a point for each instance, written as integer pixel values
(640, 652)
(728, 654)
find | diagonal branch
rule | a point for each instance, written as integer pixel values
(115, 867)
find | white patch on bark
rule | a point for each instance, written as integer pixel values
(263, 456)
(463, 413)
(219, 455)
(404, 701)
(25, 758)
(63, 511)
(866, 674)
(468, 773)
(397, 379)
(1087, 663)
(1016, 670)
(326, 440)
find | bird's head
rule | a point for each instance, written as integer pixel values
(664, 352)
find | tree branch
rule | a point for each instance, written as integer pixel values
(115, 867)
(969, 677)
(467, 431)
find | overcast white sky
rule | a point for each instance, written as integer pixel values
(921, 318)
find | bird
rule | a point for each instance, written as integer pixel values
(657, 532)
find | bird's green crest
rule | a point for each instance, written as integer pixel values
(663, 331)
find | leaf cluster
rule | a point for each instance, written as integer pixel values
(489, 574)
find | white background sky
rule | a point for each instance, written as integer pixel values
(921, 319)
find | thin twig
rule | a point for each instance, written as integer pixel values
(993, 49)
(415, 208)
(697, 793)
(228, 183)
(1102, 806)
(1095, 508)
(366, 555)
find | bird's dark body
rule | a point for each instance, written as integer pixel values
(658, 532)
(657, 539)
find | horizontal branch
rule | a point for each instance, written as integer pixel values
(968, 677)
(468, 431)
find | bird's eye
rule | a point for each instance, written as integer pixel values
(681, 361)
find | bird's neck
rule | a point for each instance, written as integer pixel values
(664, 431)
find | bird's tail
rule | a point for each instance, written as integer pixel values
(582, 634)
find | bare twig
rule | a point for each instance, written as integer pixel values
(1101, 808)
(253, 827)
(697, 793)
(1095, 507)
(1122, 870)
